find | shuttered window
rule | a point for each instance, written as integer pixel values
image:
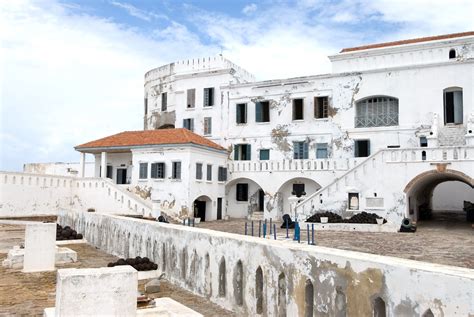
(176, 172)
(321, 150)
(191, 98)
(222, 174)
(198, 170)
(321, 106)
(242, 192)
(208, 97)
(207, 126)
(242, 152)
(158, 170)
(262, 111)
(241, 113)
(300, 150)
(164, 101)
(143, 174)
(264, 155)
(209, 172)
(188, 124)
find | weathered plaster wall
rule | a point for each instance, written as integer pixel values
(59, 168)
(217, 265)
(451, 196)
(24, 194)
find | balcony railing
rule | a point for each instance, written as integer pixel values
(293, 165)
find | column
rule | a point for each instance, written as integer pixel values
(103, 165)
(82, 165)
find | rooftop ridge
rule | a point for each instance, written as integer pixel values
(409, 41)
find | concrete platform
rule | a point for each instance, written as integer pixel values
(16, 256)
(145, 275)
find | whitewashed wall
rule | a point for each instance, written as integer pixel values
(451, 196)
(192, 258)
(59, 169)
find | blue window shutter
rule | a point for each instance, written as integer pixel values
(248, 152)
(236, 152)
(191, 125)
(237, 112)
(258, 112)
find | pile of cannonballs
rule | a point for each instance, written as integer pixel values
(362, 217)
(66, 233)
(138, 263)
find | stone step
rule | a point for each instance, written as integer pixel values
(256, 215)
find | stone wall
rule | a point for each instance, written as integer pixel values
(253, 276)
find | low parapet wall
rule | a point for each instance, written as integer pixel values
(253, 276)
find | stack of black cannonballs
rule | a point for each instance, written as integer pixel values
(66, 233)
(362, 217)
(138, 263)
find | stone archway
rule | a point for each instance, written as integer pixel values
(420, 190)
(202, 208)
(244, 197)
(297, 185)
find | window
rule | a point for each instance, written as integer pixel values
(321, 150)
(176, 173)
(262, 111)
(207, 126)
(452, 53)
(298, 109)
(376, 112)
(241, 113)
(188, 124)
(208, 97)
(362, 148)
(321, 106)
(198, 170)
(143, 174)
(145, 101)
(423, 141)
(109, 171)
(264, 155)
(191, 98)
(164, 101)
(242, 193)
(298, 190)
(453, 105)
(158, 170)
(209, 172)
(242, 152)
(300, 150)
(222, 174)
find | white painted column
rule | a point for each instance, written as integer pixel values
(103, 165)
(82, 164)
(40, 247)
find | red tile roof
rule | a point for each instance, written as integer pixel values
(410, 41)
(149, 137)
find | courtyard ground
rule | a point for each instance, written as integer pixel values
(27, 294)
(447, 239)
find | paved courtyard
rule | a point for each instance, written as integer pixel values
(447, 239)
(28, 294)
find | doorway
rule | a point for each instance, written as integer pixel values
(453, 106)
(121, 176)
(219, 208)
(200, 210)
(261, 199)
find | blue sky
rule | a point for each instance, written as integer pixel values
(72, 71)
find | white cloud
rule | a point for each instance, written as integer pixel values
(249, 9)
(138, 13)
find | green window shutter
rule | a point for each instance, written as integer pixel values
(238, 114)
(248, 152)
(305, 150)
(258, 112)
(236, 152)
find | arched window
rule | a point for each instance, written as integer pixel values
(377, 111)
(259, 289)
(239, 284)
(222, 278)
(308, 299)
(379, 308)
(452, 53)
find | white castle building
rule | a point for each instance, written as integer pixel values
(378, 134)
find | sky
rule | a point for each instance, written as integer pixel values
(73, 71)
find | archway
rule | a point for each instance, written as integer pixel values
(430, 194)
(244, 197)
(297, 185)
(202, 208)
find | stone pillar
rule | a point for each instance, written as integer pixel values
(82, 164)
(106, 291)
(40, 247)
(103, 165)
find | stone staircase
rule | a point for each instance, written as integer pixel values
(452, 135)
(256, 215)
